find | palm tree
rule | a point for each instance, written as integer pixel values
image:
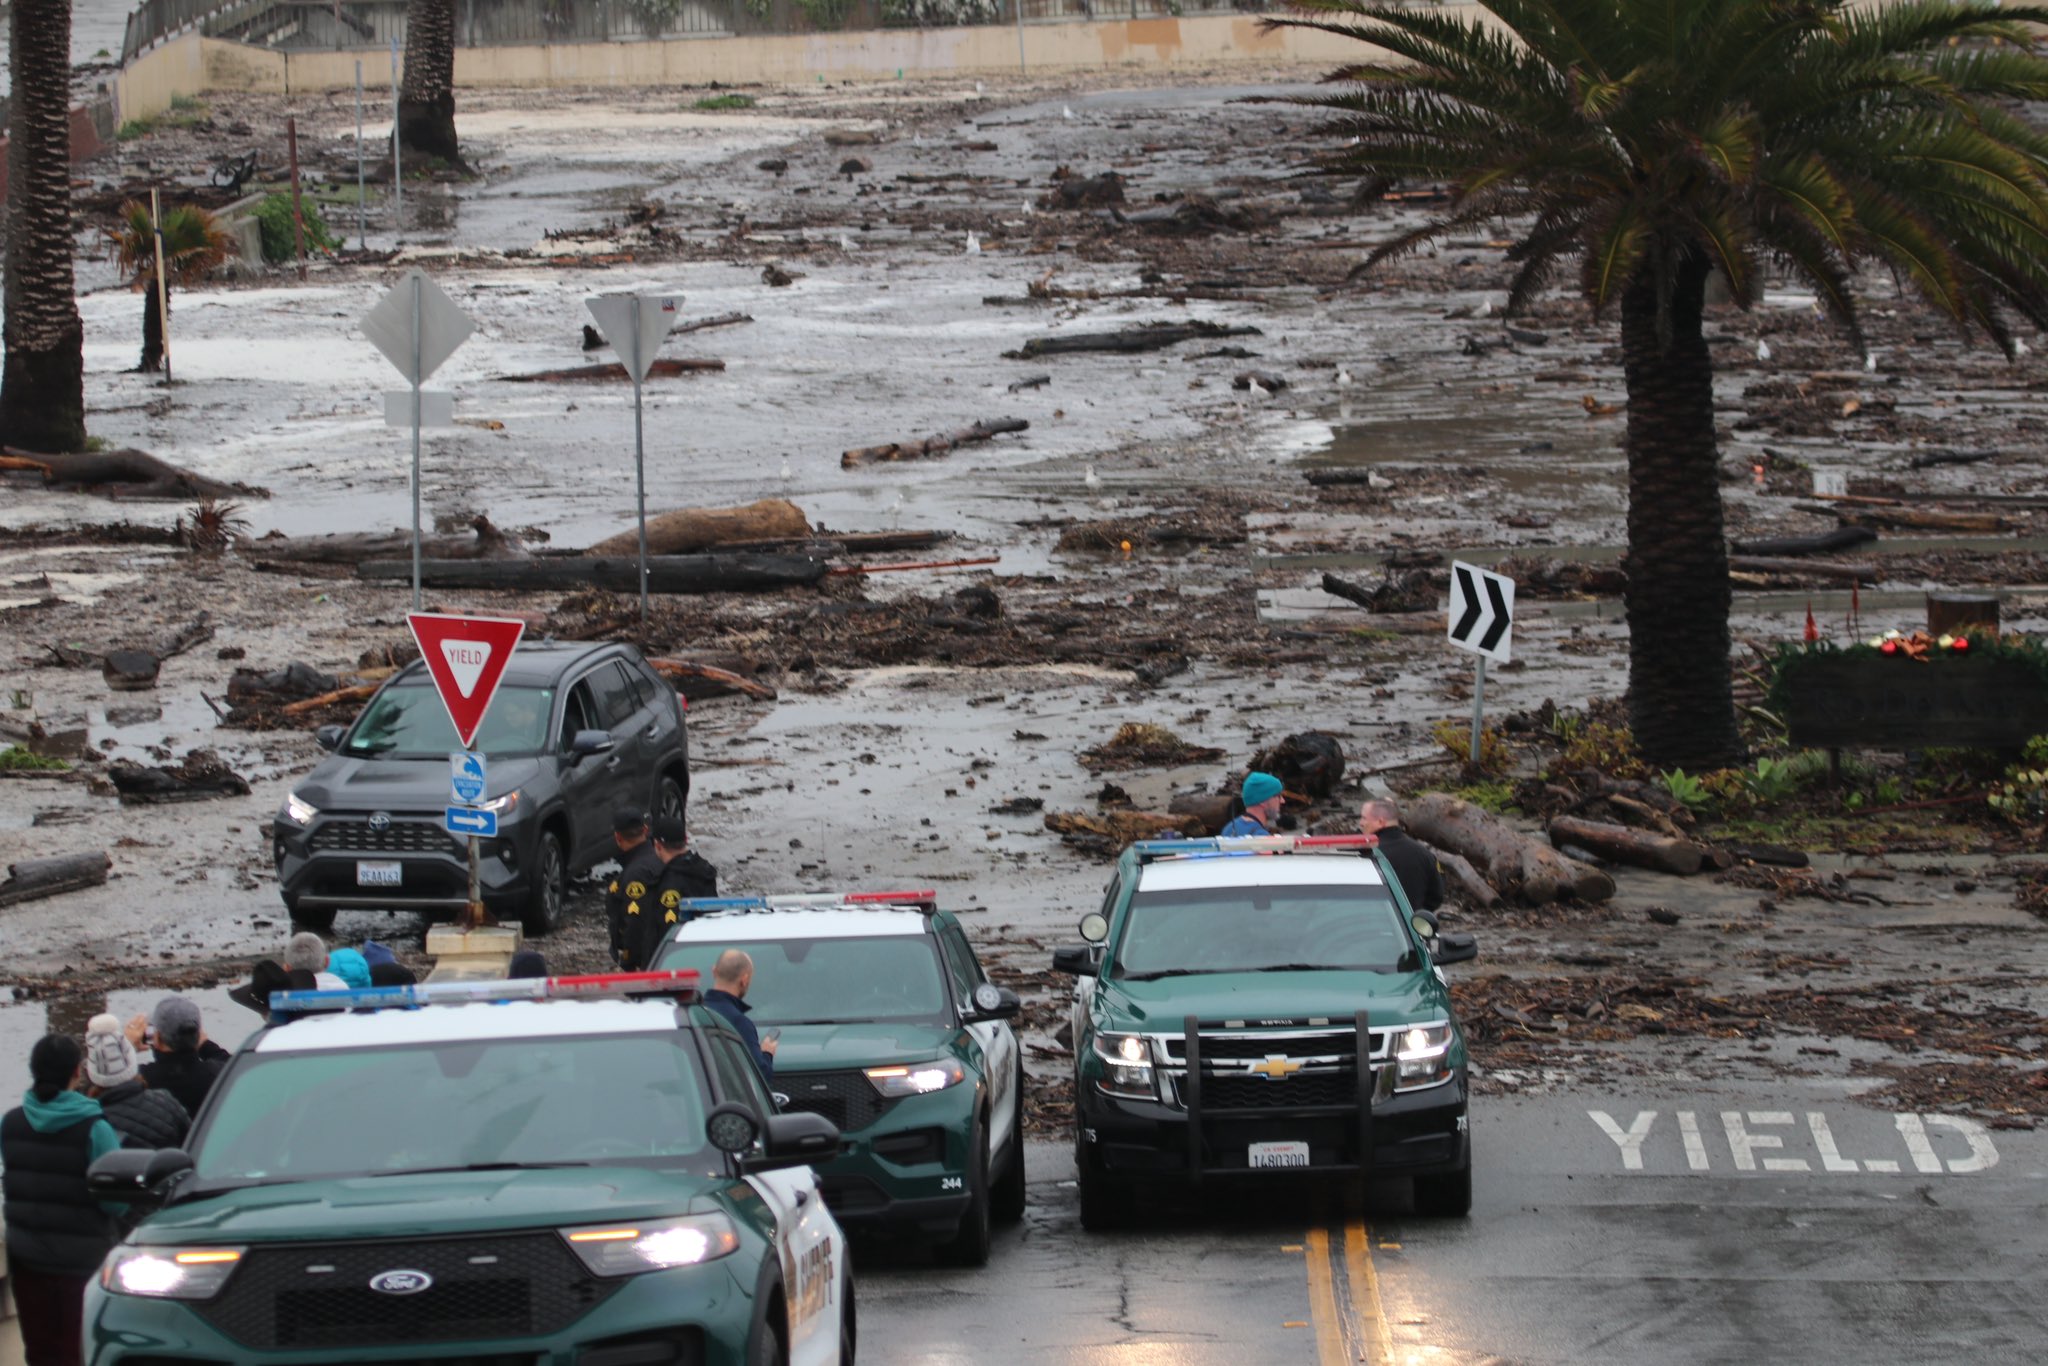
(193, 245)
(42, 389)
(426, 100)
(1649, 144)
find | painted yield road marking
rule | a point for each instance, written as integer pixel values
(1344, 1297)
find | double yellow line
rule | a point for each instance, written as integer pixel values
(1350, 1324)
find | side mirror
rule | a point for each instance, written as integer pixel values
(1076, 960)
(329, 736)
(137, 1176)
(992, 1002)
(1455, 948)
(796, 1140)
(1094, 927)
(589, 742)
(1424, 925)
(732, 1128)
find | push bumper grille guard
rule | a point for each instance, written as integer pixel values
(1367, 1079)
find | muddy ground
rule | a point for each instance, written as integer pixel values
(920, 715)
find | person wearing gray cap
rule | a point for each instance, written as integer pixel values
(186, 1063)
(632, 885)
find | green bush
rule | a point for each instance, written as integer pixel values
(1686, 788)
(1456, 738)
(274, 217)
(712, 102)
(16, 759)
(1499, 798)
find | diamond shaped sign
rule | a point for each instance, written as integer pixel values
(659, 313)
(443, 326)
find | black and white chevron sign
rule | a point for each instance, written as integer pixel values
(1482, 610)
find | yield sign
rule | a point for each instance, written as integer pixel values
(659, 313)
(1482, 610)
(443, 325)
(466, 656)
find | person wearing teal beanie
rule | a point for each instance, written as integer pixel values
(1262, 802)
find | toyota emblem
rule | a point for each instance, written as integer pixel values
(380, 821)
(400, 1282)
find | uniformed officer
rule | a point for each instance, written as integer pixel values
(632, 888)
(684, 874)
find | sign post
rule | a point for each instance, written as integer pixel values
(417, 327)
(1481, 618)
(636, 325)
(466, 658)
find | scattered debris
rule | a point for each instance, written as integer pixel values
(1137, 744)
(932, 446)
(32, 879)
(201, 775)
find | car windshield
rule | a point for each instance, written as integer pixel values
(1245, 929)
(831, 981)
(409, 722)
(594, 1099)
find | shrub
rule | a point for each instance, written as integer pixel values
(1610, 749)
(1456, 738)
(725, 102)
(274, 217)
(1686, 788)
(1499, 798)
(15, 758)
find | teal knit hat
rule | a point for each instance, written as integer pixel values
(1259, 787)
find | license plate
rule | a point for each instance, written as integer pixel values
(385, 874)
(1279, 1155)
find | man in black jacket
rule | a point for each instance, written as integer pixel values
(143, 1116)
(731, 975)
(1413, 864)
(631, 890)
(186, 1062)
(684, 874)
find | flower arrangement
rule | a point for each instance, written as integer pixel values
(1919, 645)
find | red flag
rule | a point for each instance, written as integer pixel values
(1812, 626)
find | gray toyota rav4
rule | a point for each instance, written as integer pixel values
(577, 731)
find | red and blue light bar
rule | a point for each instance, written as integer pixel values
(1238, 846)
(924, 899)
(591, 986)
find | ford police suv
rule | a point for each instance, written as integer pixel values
(889, 1029)
(1256, 1006)
(553, 1172)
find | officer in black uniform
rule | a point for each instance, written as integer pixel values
(631, 889)
(684, 874)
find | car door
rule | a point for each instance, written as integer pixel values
(591, 786)
(998, 1041)
(625, 717)
(808, 1242)
(660, 719)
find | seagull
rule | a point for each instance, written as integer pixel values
(845, 242)
(973, 244)
(1870, 363)
(1260, 392)
(1092, 479)
(2020, 348)
(787, 473)
(1066, 111)
(977, 87)
(1343, 378)
(896, 509)
(1763, 349)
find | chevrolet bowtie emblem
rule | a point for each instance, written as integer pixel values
(1275, 1067)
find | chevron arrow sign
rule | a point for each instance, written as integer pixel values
(1482, 610)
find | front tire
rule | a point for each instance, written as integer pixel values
(849, 1325)
(669, 798)
(969, 1246)
(1104, 1205)
(550, 891)
(1006, 1200)
(319, 921)
(769, 1347)
(1448, 1196)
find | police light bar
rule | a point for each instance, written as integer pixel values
(924, 899)
(1239, 845)
(412, 997)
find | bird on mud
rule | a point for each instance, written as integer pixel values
(1066, 111)
(1343, 378)
(1763, 350)
(787, 473)
(1870, 362)
(974, 244)
(1091, 479)
(845, 242)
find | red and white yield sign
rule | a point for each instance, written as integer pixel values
(466, 657)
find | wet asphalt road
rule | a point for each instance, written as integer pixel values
(1793, 1226)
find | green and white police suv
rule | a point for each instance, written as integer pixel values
(1249, 1007)
(550, 1172)
(890, 1029)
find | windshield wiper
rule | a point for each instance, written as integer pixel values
(478, 1167)
(1168, 972)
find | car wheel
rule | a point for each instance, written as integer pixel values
(849, 1325)
(1104, 1204)
(969, 1246)
(668, 798)
(550, 890)
(1007, 1199)
(1448, 1196)
(768, 1347)
(306, 918)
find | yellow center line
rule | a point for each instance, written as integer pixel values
(1322, 1301)
(1365, 1295)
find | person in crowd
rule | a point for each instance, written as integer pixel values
(632, 887)
(731, 975)
(1262, 802)
(265, 977)
(307, 952)
(392, 974)
(684, 874)
(375, 953)
(351, 967)
(527, 963)
(1421, 879)
(186, 1062)
(143, 1116)
(57, 1234)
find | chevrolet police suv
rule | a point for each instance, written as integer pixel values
(890, 1029)
(552, 1172)
(1252, 1007)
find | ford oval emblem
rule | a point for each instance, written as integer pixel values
(401, 1282)
(380, 820)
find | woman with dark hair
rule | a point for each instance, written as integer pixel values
(57, 1234)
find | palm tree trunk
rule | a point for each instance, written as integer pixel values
(426, 100)
(1681, 702)
(152, 330)
(42, 388)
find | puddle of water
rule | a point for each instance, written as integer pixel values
(23, 1022)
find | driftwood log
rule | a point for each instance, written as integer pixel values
(700, 324)
(1923, 519)
(125, 473)
(932, 446)
(355, 692)
(1927, 460)
(486, 542)
(684, 673)
(199, 775)
(1149, 337)
(134, 668)
(1637, 848)
(1516, 865)
(1471, 887)
(688, 530)
(34, 878)
(1827, 543)
(1762, 564)
(665, 573)
(664, 367)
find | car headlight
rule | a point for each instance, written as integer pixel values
(916, 1079)
(298, 810)
(504, 803)
(1126, 1064)
(658, 1245)
(1422, 1056)
(169, 1273)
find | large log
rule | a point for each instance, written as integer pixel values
(1638, 848)
(663, 368)
(931, 446)
(40, 877)
(1148, 337)
(486, 542)
(687, 530)
(1920, 519)
(681, 672)
(1764, 564)
(1472, 887)
(1827, 543)
(1515, 864)
(665, 573)
(125, 473)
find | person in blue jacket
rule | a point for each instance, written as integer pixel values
(1262, 802)
(731, 975)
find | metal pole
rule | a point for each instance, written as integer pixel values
(1478, 708)
(1020, 33)
(163, 285)
(418, 282)
(362, 196)
(397, 178)
(291, 142)
(639, 460)
(476, 896)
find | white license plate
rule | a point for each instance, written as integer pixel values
(382, 874)
(1279, 1155)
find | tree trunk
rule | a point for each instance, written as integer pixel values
(426, 99)
(1681, 701)
(152, 331)
(42, 391)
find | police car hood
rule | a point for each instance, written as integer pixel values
(370, 784)
(831, 1047)
(1163, 1004)
(428, 1204)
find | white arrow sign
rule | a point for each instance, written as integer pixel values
(636, 343)
(1482, 613)
(442, 326)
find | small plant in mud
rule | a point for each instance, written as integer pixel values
(15, 759)
(211, 527)
(1499, 798)
(1686, 788)
(2022, 796)
(1597, 745)
(1456, 738)
(274, 218)
(713, 102)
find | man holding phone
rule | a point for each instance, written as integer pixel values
(731, 975)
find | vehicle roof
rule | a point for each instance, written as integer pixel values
(467, 1022)
(1258, 870)
(802, 922)
(536, 663)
